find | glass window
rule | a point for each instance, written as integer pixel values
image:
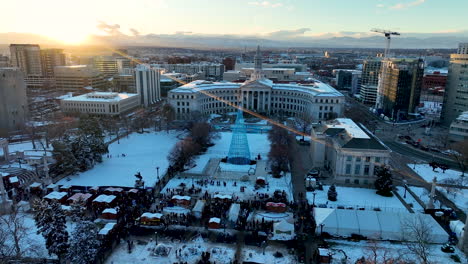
(347, 181)
(377, 159)
(349, 158)
(358, 159)
(357, 169)
(367, 159)
(348, 169)
(366, 170)
(356, 181)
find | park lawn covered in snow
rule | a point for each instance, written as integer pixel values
(425, 171)
(356, 250)
(143, 153)
(258, 144)
(255, 254)
(356, 198)
(191, 252)
(458, 196)
(410, 199)
(423, 194)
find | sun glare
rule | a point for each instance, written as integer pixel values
(71, 38)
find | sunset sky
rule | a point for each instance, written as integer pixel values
(72, 21)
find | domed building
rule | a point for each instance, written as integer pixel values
(260, 95)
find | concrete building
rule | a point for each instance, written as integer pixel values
(27, 57)
(148, 86)
(348, 80)
(101, 103)
(4, 61)
(76, 78)
(258, 94)
(459, 128)
(13, 101)
(349, 151)
(207, 70)
(296, 66)
(51, 58)
(455, 96)
(401, 87)
(370, 80)
(274, 74)
(125, 83)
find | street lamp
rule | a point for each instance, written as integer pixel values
(263, 245)
(321, 229)
(157, 172)
(313, 201)
(156, 237)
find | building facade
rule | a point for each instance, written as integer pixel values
(27, 57)
(370, 80)
(75, 78)
(258, 94)
(456, 91)
(207, 70)
(13, 101)
(147, 82)
(349, 151)
(51, 58)
(459, 128)
(401, 87)
(101, 103)
(106, 65)
(274, 74)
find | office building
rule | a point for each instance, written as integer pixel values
(4, 61)
(13, 101)
(27, 57)
(274, 74)
(51, 58)
(101, 103)
(78, 77)
(124, 83)
(459, 128)
(207, 70)
(456, 90)
(106, 65)
(147, 82)
(348, 150)
(370, 80)
(401, 86)
(348, 80)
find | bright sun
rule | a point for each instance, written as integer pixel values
(71, 38)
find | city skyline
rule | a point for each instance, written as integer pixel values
(274, 19)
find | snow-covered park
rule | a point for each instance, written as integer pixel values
(143, 153)
(356, 198)
(258, 144)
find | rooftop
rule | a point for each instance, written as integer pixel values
(100, 97)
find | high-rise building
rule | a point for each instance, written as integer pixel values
(208, 70)
(27, 57)
(147, 80)
(76, 78)
(401, 87)
(13, 101)
(370, 80)
(4, 61)
(106, 65)
(51, 58)
(456, 90)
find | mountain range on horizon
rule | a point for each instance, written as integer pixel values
(187, 40)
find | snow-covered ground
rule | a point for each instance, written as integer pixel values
(258, 144)
(356, 198)
(190, 252)
(423, 194)
(282, 184)
(425, 171)
(356, 250)
(143, 153)
(255, 254)
(410, 199)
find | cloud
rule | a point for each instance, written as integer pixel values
(408, 5)
(380, 5)
(183, 32)
(288, 33)
(134, 32)
(266, 4)
(113, 30)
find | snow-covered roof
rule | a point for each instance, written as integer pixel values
(114, 189)
(151, 215)
(110, 211)
(35, 185)
(80, 196)
(55, 195)
(215, 220)
(179, 197)
(100, 97)
(223, 196)
(14, 179)
(351, 128)
(463, 116)
(104, 198)
(175, 210)
(234, 212)
(107, 228)
(199, 206)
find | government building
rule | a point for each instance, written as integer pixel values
(260, 95)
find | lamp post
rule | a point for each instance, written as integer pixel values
(405, 182)
(313, 201)
(156, 237)
(157, 172)
(321, 229)
(263, 245)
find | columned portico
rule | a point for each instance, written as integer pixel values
(4, 146)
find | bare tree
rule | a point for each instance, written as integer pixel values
(374, 253)
(417, 236)
(304, 123)
(460, 154)
(168, 113)
(14, 230)
(183, 154)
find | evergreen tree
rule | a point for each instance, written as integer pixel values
(84, 244)
(384, 182)
(332, 194)
(51, 223)
(64, 157)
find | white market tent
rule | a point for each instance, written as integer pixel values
(373, 224)
(198, 209)
(233, 214)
